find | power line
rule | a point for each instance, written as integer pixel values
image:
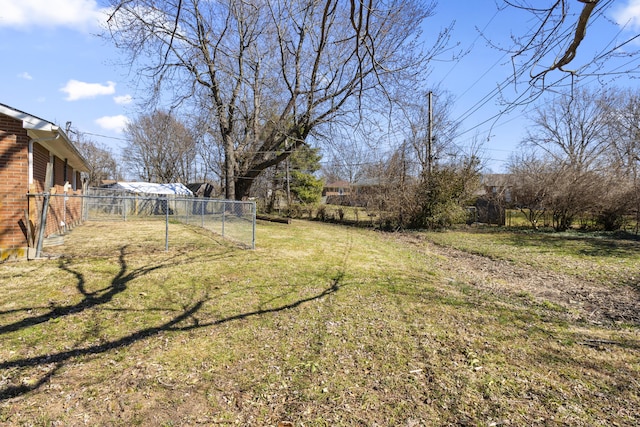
(524, 98)
(105, 136)
(468, 49)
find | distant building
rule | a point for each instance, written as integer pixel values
(175, 188)
(336, 193)
(337, 188)
(494, 196)
(498, 186)
(147, 197)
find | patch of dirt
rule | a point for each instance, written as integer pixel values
(584, 300)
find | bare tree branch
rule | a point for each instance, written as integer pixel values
(268, 74)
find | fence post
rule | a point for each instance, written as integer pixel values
(253, 233)
(224, 211)
(43, 224)
(64, 213)
(166, 225)
(85, 207)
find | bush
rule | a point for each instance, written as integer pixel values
(443, 197)
(610, 220)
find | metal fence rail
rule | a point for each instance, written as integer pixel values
(231, 219)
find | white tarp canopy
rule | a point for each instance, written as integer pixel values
(153, 188)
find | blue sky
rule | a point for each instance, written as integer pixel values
(474, 79)
(54, 67)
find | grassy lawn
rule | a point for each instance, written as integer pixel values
(321, 325)
(588, 256)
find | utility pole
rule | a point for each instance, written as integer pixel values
(430, 137)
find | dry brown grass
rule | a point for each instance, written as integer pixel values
(321, 325)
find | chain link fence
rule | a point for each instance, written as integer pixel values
(232, 220)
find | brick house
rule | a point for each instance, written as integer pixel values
(336, 193)
(337, 188)
(36, 156)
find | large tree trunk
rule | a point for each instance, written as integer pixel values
(243, 186)
(229, 169)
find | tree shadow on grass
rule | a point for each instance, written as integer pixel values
(183, 322)
(90, 299)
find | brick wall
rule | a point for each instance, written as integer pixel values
(64, 212)
(40, 160)
(14, 169)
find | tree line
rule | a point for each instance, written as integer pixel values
(581, 156)
(258, 94)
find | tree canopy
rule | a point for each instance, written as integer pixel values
(581, 158)
(160, 148)
(266, 75)
(100, 160)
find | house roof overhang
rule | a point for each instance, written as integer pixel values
(50, 136)
(338, 184)
(57, 142)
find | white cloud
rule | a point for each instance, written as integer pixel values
(82, 15)
(76, 90)
(123, 99)
(25, 75)
(113, 123)
(628, 15)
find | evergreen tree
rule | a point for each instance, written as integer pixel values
(304, 185)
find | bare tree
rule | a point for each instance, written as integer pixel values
(531, 181)
(390, 188)
(572, 168)
(346, 158)
(623, 116)
(556, 49)
(100, 160)
(572, 129)
(209, 152)
(160, 148)
(271, 72)
(380, 187)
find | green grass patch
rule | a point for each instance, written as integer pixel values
(320, 325)
(593, 256)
